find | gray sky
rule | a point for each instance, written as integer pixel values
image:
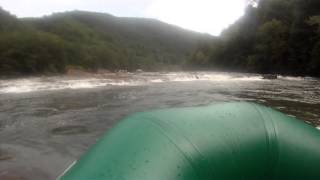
(209, 16)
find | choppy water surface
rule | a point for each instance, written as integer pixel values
(48, 122)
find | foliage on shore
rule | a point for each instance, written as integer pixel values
(276, 36)
(90, 41)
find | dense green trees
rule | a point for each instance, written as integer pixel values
(277, 36)
(31, 52)
(91, 41)
(274, 36)
(271, 48)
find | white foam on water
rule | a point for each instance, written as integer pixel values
(22, 86)
(14, 89)
(254, 78)
(59, 83)
(291, 78)
(157, 80)
(83, 85)
(125, 83)
(31, 85)
(213, 78)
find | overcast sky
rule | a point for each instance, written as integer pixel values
(209, 16)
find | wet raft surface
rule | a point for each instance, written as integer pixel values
(47, 123)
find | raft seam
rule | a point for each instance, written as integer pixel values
(276, 148)
(264, 125)
(273, 157)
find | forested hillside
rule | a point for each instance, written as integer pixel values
(275, 36)
(91, 41)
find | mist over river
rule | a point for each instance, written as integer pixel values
(46, 123)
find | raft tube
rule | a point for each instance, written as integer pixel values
(230, 141)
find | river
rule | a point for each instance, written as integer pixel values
(48, 122)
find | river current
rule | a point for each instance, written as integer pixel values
(46, 123)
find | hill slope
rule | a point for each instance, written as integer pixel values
(92, 41)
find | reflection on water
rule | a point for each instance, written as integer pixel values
(48, 122)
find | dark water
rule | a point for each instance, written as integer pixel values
(47, 123)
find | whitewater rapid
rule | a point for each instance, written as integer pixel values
(33, 84)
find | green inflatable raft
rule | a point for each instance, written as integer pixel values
(230, 141)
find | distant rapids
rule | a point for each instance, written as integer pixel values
(113, 79)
